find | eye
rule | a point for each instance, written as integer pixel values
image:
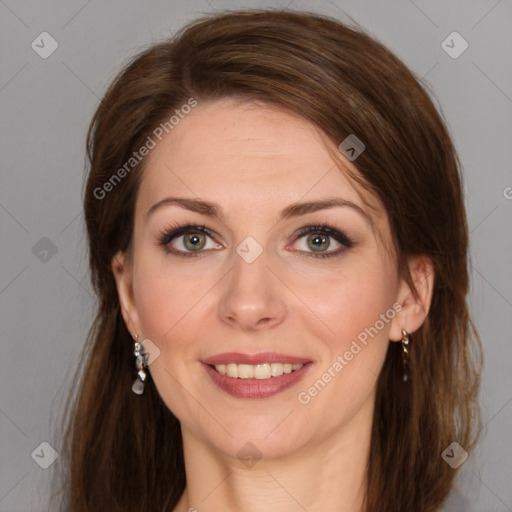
(189, 240)
(192, 240)
(317, 239)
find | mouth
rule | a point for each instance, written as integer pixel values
(255, 376)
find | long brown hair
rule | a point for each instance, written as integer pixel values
(124, 452)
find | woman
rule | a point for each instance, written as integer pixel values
(279, 247)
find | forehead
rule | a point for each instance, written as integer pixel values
(241, 154)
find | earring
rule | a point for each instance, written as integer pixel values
(406, 339)
(140, 364)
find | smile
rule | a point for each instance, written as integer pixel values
(255, 376)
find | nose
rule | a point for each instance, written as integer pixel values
(253, 297)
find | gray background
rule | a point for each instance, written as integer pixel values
(46, 104)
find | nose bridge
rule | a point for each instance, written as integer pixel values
(250, 298)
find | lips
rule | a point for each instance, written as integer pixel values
(254, 388)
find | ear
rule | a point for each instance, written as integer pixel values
(122, 270)
(415, 307)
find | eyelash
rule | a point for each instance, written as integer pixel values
(170, 233)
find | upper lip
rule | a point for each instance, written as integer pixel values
(254, 359)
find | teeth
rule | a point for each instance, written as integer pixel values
(245, 371)
(232, 370)
(256, 371)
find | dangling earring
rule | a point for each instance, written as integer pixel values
(406, 338)
(140, 364)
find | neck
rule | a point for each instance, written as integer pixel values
(324, 476)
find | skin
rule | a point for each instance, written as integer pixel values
(254, 161)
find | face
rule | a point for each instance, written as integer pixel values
(259, 282)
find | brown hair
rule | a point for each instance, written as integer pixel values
(125, 453)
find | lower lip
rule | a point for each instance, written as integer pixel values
(256, 388)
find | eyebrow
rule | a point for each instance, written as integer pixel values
(211, 209)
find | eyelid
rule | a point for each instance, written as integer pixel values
(338, 235)
(324, 228)
(176, 230)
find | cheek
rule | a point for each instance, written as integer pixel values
(169, 302)
(351, 300)
(357, 308)
(167, 297)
